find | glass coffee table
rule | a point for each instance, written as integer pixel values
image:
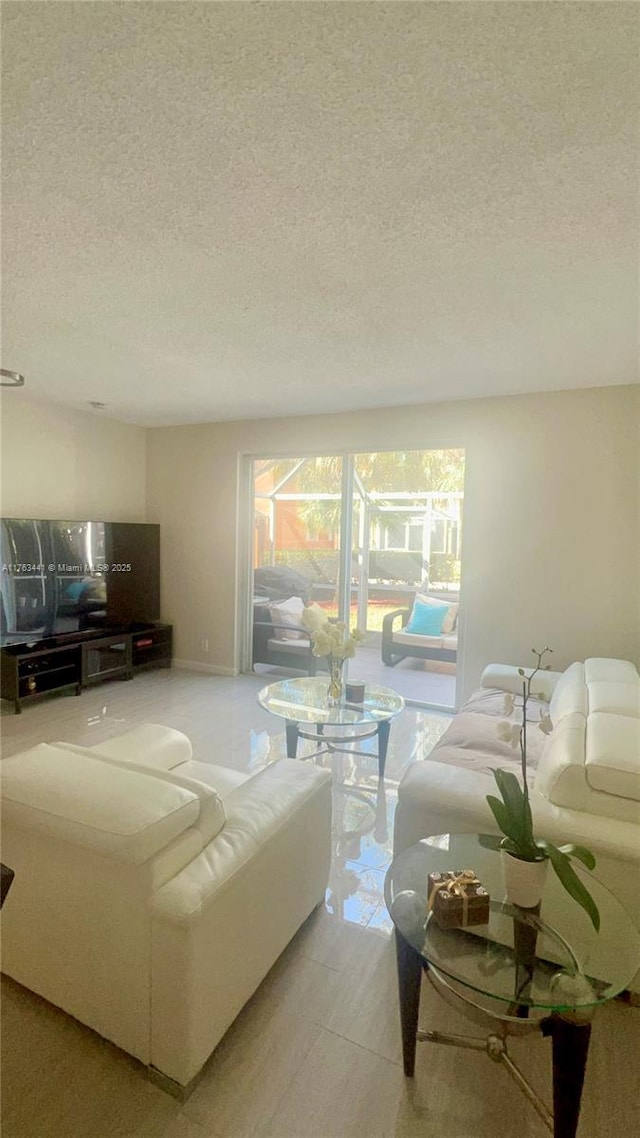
(543, 969)
(304, 703)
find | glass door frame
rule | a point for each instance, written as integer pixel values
(244, 554)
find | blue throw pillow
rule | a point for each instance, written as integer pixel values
(427, 620)
(74, 590)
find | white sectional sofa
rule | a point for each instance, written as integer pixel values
(585, 775)
(153, 893)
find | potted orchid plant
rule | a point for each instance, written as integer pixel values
(332, 641)
(526, 858)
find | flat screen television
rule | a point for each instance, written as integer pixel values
(60, 578)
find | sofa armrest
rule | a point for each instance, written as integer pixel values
(220, 924)
(273, 624)
(391, 617)
(257, 812)
(436, 798)
(505, 677)
(149, 744)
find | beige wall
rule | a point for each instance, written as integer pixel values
(71, 464)
(551, 543)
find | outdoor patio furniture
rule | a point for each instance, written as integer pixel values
(277, 582)
(398, 644)
(269, 648)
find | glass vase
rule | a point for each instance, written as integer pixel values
(334, 691)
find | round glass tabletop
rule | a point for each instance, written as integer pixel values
(553, 961)
(306, 700)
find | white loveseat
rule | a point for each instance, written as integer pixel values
(585, 778)
(153, 893)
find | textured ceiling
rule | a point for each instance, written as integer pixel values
(238, 210)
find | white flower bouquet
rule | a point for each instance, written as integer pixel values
(330, 638)
(332, 641)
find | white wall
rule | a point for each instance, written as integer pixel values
(551, 542)
(70, 464)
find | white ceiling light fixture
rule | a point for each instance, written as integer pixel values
(11, 378)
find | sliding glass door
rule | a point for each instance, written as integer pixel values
(360, 535)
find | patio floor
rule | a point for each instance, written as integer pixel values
(424, 681)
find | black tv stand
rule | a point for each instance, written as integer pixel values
(72, 661)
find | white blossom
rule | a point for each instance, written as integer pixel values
(509, 732)
(545, 725)
(330, 638)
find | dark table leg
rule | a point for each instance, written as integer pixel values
(570, 1045)
(6, 877)
(384, 727)
(409, 977)
(319, 735)
(525, 938)
(292, 738)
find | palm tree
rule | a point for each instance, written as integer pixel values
(394, 471)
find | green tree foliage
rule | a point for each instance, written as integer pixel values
(379, 471)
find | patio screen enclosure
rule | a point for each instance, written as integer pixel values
(365, 530)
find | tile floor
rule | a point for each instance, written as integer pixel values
(316, 1052)
(423, 680)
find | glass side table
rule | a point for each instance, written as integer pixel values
(305, 701)
(543, 969)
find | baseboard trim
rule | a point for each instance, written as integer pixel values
(197, 666)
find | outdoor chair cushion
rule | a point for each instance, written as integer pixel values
(287, 616)
(422, 601)
(427, 619)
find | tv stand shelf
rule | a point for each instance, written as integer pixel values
(70, 663)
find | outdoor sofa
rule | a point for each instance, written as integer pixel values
(398, 643)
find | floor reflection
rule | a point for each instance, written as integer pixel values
(362, 851)
(363, 810)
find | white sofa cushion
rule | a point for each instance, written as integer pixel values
(148, 743)
(223, 780)
(506, 678)
(561, 775)
(613, 755)
(616, 698)
(211, 817)
(560, 772)
(601, 668)
(110, 807)
(569, 694)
